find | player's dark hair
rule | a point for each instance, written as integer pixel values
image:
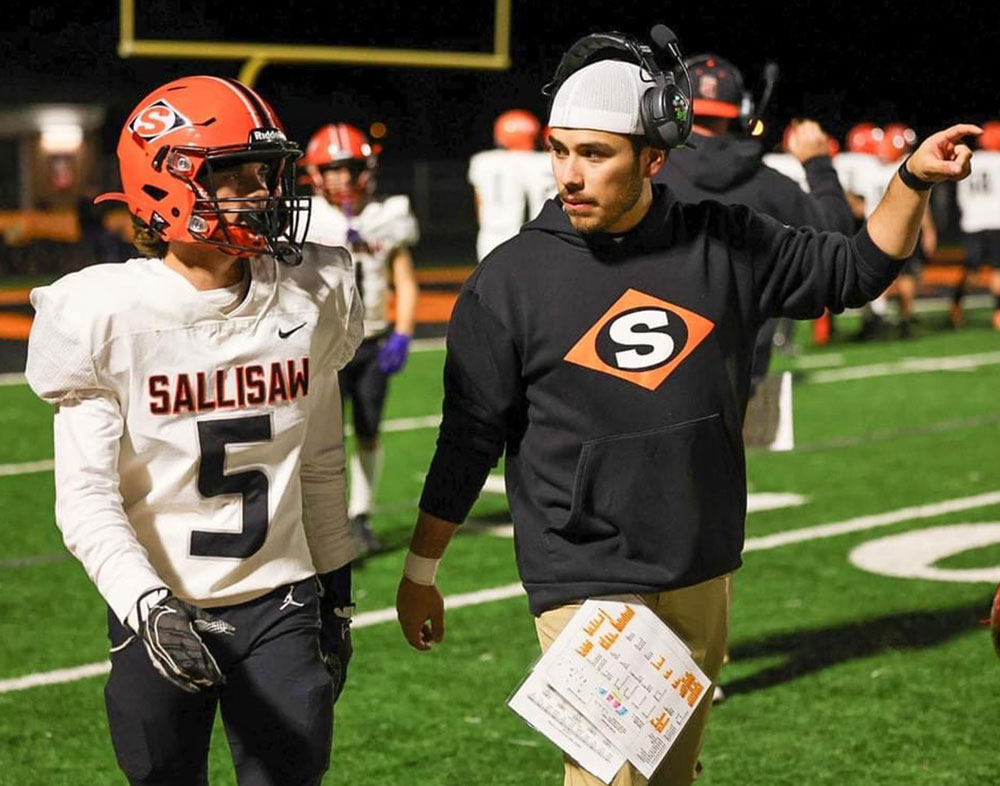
(638, 143)
(149, 242)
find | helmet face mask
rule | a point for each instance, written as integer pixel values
(255, 223)
(172, 150)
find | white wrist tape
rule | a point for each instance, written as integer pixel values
(421, 570)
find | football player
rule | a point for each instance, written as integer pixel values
(199, 458)
(979, 200)
(379, 233)
(891, 145)
(788, 164)
(512, 178)
(853, 163)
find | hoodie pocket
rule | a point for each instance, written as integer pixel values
(659, 507)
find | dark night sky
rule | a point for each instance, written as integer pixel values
(911, 61)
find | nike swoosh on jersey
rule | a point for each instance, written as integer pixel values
(287, 333)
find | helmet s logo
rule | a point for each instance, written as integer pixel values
(708, 86)
(640, 339)
(157, 119)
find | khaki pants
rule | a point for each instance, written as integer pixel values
(700, 616)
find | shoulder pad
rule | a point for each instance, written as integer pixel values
(392, 221)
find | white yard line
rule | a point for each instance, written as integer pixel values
(819, 361)
(55, 677)
(907, 366)
(871, 522)
(27, 467)
(363, 620)
(407, 424)
(427, 345)
(12, 379)
(513, 590)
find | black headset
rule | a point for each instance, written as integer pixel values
(665, 109)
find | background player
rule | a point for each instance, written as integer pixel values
(512, 178)
(198, 448)
(852, 164)
(978, 198)
(788, 164)
(726, 165)
(891, 145)
(379, 233)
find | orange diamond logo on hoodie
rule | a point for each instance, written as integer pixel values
(640, 339)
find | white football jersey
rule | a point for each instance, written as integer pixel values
(382, 227)
(865, 176)
(979, 194)
(194, 446)
(856, 171)
(508, 182)
(789, 166)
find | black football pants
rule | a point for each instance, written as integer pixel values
(276, 703)
(366, 386)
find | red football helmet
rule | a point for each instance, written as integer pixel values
(897, 140)
(990, 138)
(864, 138)
(342, 145)
(516, 129)
(178, 135)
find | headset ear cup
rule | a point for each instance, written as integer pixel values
(655, 134)
(666, 116)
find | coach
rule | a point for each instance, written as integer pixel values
(607, 347)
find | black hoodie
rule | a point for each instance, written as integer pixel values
(615, 371)
(730, 170)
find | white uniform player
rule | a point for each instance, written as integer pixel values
(208, 410)
(789, 166)
(868, 176)
(978, 199)
(379, 233)
(511, 182)
(979, 194)
(199, 458)
(382, 227)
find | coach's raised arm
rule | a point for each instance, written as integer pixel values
(895, 224)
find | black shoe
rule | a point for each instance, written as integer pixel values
(906, 328)
(365, 541)
(872, 327)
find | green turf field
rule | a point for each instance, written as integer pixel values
(839, 675)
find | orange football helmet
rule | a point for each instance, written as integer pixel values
(342, 145)
(990, 138)
(864, 138)
(516, 129)
(897, 140)
(178, 135)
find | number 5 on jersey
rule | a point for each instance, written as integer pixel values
(251, 484)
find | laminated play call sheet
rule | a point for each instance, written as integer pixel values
(617, 684)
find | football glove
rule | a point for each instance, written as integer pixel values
(335, 612)
(169, 628)
(392, 356)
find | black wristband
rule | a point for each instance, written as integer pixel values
(910, 180)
